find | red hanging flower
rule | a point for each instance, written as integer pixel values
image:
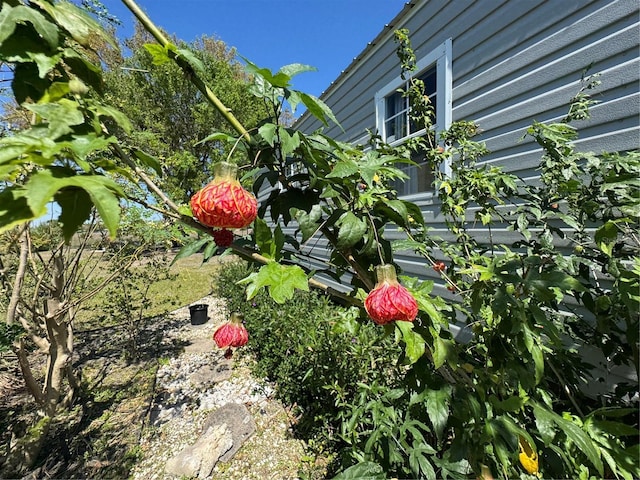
(389, 301)
(223, 203)
(232, 333)
(223, 238)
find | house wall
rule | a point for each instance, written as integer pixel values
(513, 62)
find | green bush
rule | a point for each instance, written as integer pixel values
(315, 351)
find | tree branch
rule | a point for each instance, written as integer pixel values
(19, 279)
(187, 68)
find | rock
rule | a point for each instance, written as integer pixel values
(237, 418)
(212, 373)
(199, 459)
(199, 345)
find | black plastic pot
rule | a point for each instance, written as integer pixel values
(198, 314)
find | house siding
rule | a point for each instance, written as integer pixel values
(513, 62)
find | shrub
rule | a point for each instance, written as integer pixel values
(314, 350)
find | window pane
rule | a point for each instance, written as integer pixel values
(429, 78)
(395, 117)
(398, 126)
(420, 177)
(397, 122)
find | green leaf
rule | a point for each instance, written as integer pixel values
(308, 222)
(414, 213)
(83, 145)
(14, 208)
(538, 361)
(616, 429)
(209, 251)
(191, 248)
(536, 353)
(420, 463)
(511, 404)
(279, 80)
(428, 305)
(544, 424)
(159, 54)
(191, 59)
(268, 133)
(581, 440)
(11, 16)
(86, 71)
(148, 160)
(294, 69)
(105, 110)
(104, 192)
(437, 402)
(343, 169)
(574, 434)
(605, 236)
(75, 205)
(281, 281)
(264, 239)
(351, 230)
(394, 210)
(319, 109)
(60, 116)
(543, 282)
(288, 143)
(415, 344)
(77, 22)
(440, 350)
(218, 136)
(362, 471)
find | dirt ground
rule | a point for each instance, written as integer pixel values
(98, 437)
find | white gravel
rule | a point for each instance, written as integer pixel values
(180, 408)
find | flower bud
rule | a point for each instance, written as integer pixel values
(389, 301)
(223, 203)
(232, 333)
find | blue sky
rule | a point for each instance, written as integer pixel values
(326, 34)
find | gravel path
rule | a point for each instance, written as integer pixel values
(195, 383)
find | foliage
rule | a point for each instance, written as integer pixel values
(49, 46)
(168, 113)
(46, 236)
(310, 348)
(409, 400)
(520, 386)
(129, 299)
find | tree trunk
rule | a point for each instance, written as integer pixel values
(24, 452)
(60, 334)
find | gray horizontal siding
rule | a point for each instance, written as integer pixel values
(513, 62)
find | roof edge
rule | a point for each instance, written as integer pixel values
(372, 45)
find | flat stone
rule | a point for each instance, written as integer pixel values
(198, 460)
(238, 420)
(200, 345)
(212, 373)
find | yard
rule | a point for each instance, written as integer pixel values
(405, 306)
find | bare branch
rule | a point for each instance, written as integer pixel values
(22, 266)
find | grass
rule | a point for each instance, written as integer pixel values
(193, 281)
(189, 280)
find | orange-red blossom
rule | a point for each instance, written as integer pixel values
(223, 203)
(389, 301)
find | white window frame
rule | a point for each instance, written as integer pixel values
(441, 57)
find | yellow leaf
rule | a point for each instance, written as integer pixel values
(528, 458)
(446, 186)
